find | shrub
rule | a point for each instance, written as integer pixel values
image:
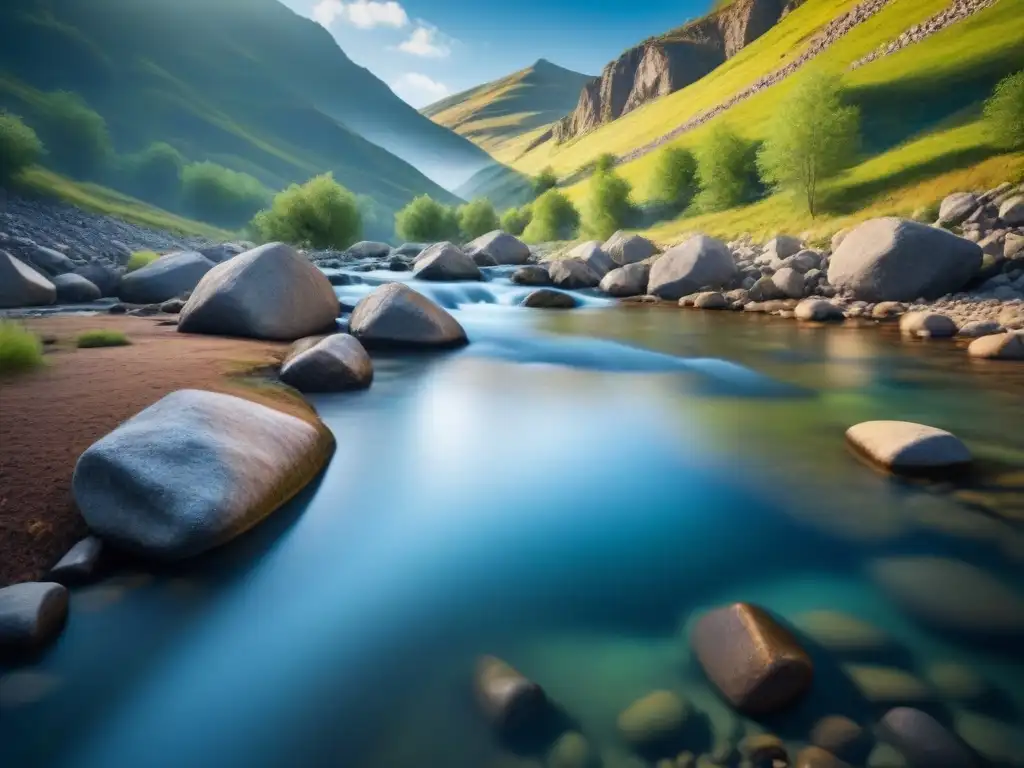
(216, 194)
(1004, 112)
(674, 183)
(515, 220)
(19, 146)
(609, 206)
(139, 259)
(318, 214)
(20, 349)
(812, 137)
(101, 338)
(726, 170)
(477, 218)
(154, 174)
(553, 218)
(604, 163)
(544, 181)
(426, 220)
(76, 136)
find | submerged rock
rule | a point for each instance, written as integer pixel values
(396, 315)
(700, 261)
(32, 614)
(167, 277)
(80, 564)
(333, 364)
(624, 248)
(924, 741)
(508, 699)
(572, 274)
(843, 738)
(1001, 346)
(907, 448)
(500, 247)
(654, 720)
(22, 286)
(547, 298)
(630, 280)
(572, 750)
(444, 261)
(75, 289)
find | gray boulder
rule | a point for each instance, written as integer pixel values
(270, 292)
(395, 315)
(409, 249)
(789, 282)
(483, 259)
(572, 274)
(923, 741)
(908, 448)
(894, 259)
(80, 564)
(630, 280)
(700, 261)
(956, 208)
(804, 261)
(624, 248)
(75, 289)
(591, 254)
(782, 247)
(193, 471)
(369, 249)
(548, 298)
(32, 614)
(1012, 211)
(22, 286)
(48, 261)
(107, 279)
(335, 363)
(165, 278)
(765, 289)
(531, 274)
(501, 247)
(444, 261)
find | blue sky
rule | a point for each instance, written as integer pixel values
(427, 49)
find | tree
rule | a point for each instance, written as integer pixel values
(515, 220)
(813, 136)
(544, 181)
(319, 214)
(426, 220)
(609, 205)
(554, 217)
(674, 183)
(726, 170)
(155, 173)
(477, 218)
(19, 146)
(1004, 112)
(604, 163)
(76, 136)
(216, 194)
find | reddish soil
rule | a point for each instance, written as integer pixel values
(49, 416)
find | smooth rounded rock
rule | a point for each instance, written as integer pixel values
(653, 720)
(783, 246)
(790, 283)
(163, 279)
(625, 248)
(928, 325)
(630, 280)
(106, 278)
(444, 261)
(500, 247)
(1000, 346)
(547, 298)
(571, 750)
(843, 738)
(907, 448)
(710, 300)
(572, 275)
(977, 328)
(1012, 211)
(396, 315)
(818, 310)
(507, 698)
(335, 363)
(22, 286)
(924, 741)
(75, 289)
(956, 208)
(368, 249)
(32, 614)
(531, 274)
(687, 268)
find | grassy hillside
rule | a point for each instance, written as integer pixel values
(496, 114)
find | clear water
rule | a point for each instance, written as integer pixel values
(566, 492)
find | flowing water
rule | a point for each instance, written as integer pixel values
(568, 492)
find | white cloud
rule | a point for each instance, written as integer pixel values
(424, 42)
(418, 89)
(364, 14)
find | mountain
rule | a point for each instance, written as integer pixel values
(494, 114)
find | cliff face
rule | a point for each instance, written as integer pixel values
(665, 64)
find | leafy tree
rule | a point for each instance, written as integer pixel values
(604, 163)
(319, 214)
(674, 183)
(19, 146)
(426, 220)
(609, 205)
(477, 218)
(1004, 112)
(726, 170)
(155, 173)
(544, 181)
(216, 194)
(75, 135)
(813, 136)
(515, 220)
(553, 218)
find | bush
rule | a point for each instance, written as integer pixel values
(319, 214)
(1004, 112)
(139, 259)
(544, 181)
(812, 137)
(101, 338)
(76, 136)
(604, 163)
(609, 206)
(216, 194)
(20, 349)
(674, 184)
(19, 146)
(477, 218)
(154, 174)
(515, 220)
(553, 218)
(426, 220)
(726, 170)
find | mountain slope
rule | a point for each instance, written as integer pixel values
(494, 114)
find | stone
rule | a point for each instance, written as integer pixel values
(48, 261)
(842, 737)
(892, 259)
(818, 310)
(193, 471)
(32, 614)
(398, 264)
(509, 700)
(624, 248)
(957, 208)
(531, 275)
(1014, 246)
(572, 274)
(804, 261)
(167, 277)
(335, 363)
(886, 310)
(654, 720)
(444, 261)
(907, 448)
(548, 298)
(270, 292)
(80, 564)
(173, 306)
(790, 283)
(501, 247)
(75, 289)
(369, 249)
(710, 300)
(408, 249)
(107, 279)
(783, 246)
(765, 289)
(816, 757)
(993, 243)
(887, 685)
(755, 662)
(571, 750)
(999, 742)
(483, 259)
(591, 254)
(838, 237)
(630, 280)
(923, 740)
(763, 748)
(698, 263)
(928, 325)
(1012, 211)
(22, 286)
(999, 346)
(397, 316)
(977, 328)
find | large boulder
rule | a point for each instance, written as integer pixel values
(444, 261)
(907, 448)
(333, 364)
(75, 289)
(998, 346)
(193, 471)
(507, 698)
(630, 280)
(32, 614)
(572, 274)
(107, 279)
(928, 325)
(500, 246)
(165, 278)
(756, 663)
(1012, 211)
(892, 259)
(956, 208)
(531, 274)
(700, 261)
(790, 283)
(270, 292)
(624, 248)
(368, 249)
(22, 286)
(592, 254)
(396, 315)
(923, 741)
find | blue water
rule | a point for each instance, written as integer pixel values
(566, 492)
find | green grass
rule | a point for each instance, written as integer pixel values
(101, 338)
(141, 259)
(20, 349)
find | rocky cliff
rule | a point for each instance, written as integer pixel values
(662, 65)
